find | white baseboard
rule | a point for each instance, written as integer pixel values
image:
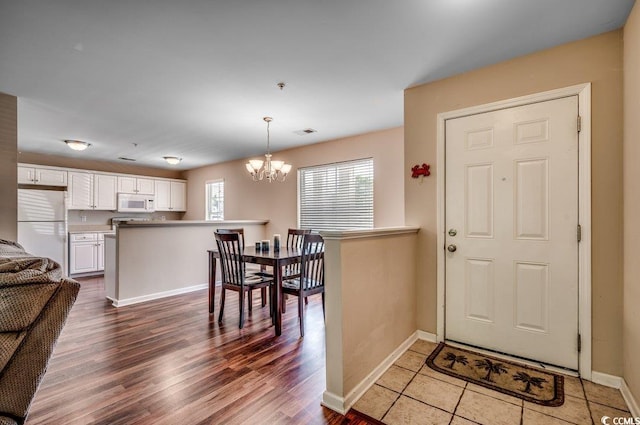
(606, 379)
(619, 383)
(334, 402)
(630, 399)
(427, 336)
(343, 404)
(157, 295)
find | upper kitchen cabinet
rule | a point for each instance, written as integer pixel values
(41, 176)
(142, 186)
(88, 191)
(171, 195)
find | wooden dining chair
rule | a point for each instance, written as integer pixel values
(294, 240)
(250, 269)
(292, 271)
(311, 278)
(234, 276)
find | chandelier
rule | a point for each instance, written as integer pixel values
(271, 170)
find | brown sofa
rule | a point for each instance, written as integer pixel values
(35, 300)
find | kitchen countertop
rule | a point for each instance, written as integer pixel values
(90, 228)
(160, 223)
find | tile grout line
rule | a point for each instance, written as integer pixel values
(400, 393)
(584, 392)
(455, 409)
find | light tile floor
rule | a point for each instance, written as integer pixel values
(410, 392)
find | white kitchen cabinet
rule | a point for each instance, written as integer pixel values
(104, 192)
(100, 252)
(142, 186)
(88, 191)
(41, 176)
(178, 196)
(170, 195)
(86, 253)
(83, 253)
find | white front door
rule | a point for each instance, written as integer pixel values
(511, 231)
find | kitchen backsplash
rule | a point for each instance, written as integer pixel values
(104, 217)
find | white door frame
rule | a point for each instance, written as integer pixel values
(583, 91)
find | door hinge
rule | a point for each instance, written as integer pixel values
(579, 343)
(579, 233)
(579, 123)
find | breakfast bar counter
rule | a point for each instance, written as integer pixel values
(146, 260)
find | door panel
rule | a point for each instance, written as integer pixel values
(512, 203)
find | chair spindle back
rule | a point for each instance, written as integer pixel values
(312, 262)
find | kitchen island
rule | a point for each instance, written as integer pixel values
(156, 259)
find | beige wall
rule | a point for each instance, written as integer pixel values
(8, 170)
(370, 305)
(631, 155)
(597, 60)
(246, 199)
(95, 165)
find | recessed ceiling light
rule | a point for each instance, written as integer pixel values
(77, 145)
(173, 160)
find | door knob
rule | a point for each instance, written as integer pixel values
(452, 248)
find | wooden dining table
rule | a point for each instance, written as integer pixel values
(275, 259)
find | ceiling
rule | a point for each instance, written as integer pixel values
(193, 78)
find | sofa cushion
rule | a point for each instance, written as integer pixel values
(12, 249)
(20, 305)
(19, 271)
(9, 343)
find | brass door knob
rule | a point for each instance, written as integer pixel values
(452, 248)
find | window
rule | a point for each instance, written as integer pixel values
(336, 196)
(215, 200)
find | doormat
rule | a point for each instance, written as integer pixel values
(530, 384)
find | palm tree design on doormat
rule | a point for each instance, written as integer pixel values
(491, 368)
(529, 381)
(451, 357)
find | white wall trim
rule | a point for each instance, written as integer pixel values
(342, 405)
(630, 399)
(583, 91)
(368, 233)
(618, 383)
(334, 402)
(427, 336)
(606, 379)
(157, 295)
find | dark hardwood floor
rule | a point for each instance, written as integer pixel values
(169, 362)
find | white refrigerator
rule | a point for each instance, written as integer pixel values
(42, 223)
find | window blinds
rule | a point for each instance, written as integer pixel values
(336, 196)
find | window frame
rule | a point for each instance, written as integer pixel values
(207, 188)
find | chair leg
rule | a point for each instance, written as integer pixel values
(263, 293)
(222, 291)
(306, 300)
(283, 307)
(323, 315)
(301, 315)
(250, 300)
(241, 296)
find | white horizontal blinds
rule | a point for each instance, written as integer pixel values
(215, 200)
(337, 196)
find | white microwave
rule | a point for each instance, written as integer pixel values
(129, 202)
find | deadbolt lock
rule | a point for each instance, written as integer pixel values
(453, 232)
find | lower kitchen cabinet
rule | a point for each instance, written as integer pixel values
(86, 253)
